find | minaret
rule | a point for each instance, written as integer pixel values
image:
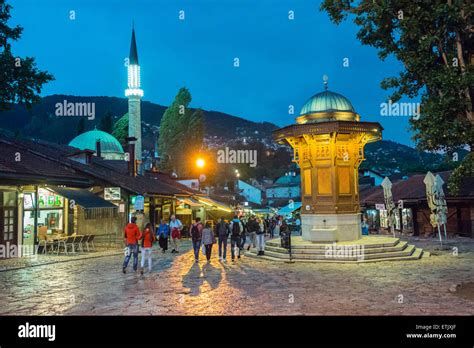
(134, 94)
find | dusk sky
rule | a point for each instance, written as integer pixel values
(281, 61)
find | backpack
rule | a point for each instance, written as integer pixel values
(235, 229)
(222, 229)
(195, 232)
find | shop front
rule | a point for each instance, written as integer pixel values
(43, 214)
(378, 219)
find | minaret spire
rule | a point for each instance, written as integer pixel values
(134, 94)
(133, 57)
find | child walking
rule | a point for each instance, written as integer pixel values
(147, 237)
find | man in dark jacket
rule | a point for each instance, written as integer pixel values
(222, 231)
(196, 236)
(253, 227)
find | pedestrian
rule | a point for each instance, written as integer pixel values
(252, 228)
(222, 232)
(208, 239)
(285, 235)
(298, 224)
(163, 232)
(196, 236)
(365, 226)
(261, 238)
(131, 237)
(272, 227)
(278, 222)
(176, 227)
(236, 229)
(243, 234)
(147, 237)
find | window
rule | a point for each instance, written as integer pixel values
(8, 215)
(8, 224)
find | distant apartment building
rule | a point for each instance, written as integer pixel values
(251, 193)
(285, 188)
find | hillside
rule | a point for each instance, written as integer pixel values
(41, 121)
(221, 130)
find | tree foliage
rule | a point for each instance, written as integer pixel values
(181, 135)
(106, 123)
(120, 129)
(20, 79)
(81, 126)
(435, 42)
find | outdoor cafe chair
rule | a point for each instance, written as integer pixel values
(90, 241)
(77, 244)
(66, 243)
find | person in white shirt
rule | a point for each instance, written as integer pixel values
(175, 226)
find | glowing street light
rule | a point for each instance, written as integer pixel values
(200, 163)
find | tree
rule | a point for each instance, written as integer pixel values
(120, 129)
(20, 80)
(434, 41)
(81, 126)
(106, 123)
(181, 134)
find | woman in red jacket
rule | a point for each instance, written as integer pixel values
(147, 237)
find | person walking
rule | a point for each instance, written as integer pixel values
(285, 235)
(243, 234)
(208, 239)
(272, 227)
(261, 238)
(236, 229)
(222, 232)
(163, 232)
(278, 222)
(196, 236)
(252, 227)
(147, 237)
(131, 237)
(176, 227)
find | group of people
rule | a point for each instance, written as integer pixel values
(203, 236)
(133, 236)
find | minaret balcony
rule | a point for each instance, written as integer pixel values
(134, 92)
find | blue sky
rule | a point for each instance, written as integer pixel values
(281, 61)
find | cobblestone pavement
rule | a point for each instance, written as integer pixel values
(441, 284)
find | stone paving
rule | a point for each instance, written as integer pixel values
(441, 284)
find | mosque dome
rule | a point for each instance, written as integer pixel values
(109, 145)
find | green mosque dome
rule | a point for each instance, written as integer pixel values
(109, 145)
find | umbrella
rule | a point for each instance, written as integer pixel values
(389, 204)
(430, 183)
(442, 208)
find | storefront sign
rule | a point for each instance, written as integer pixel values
(380, 206)
(139, 203)
(49, 199)
(112, 194)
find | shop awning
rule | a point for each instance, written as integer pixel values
(212, 204)
(82, 197)
(191, 202)
(288, 209)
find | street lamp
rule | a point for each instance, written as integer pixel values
(200, 163)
